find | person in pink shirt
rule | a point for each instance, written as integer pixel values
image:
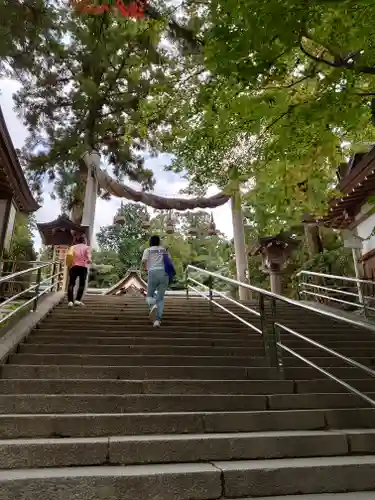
(79, 269)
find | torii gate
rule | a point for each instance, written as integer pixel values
(97, 177)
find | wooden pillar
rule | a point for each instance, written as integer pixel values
(7, 219)
(59, 255)
(242, 265)
(89, 205)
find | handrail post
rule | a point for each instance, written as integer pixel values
(271, 335)
(210, 285)
(299, 285)
(54, 280)
(61, 275)
(263, 326)
(187, 281)
(361, 296)
(38, 280)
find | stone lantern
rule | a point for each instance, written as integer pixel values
(169, 229)
(119, 220)
(60, 234)
(212, 227)
(275, 251)
(193, 230)
(146, 224)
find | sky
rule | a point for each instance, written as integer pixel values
(167, 183)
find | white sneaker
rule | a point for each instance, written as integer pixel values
(70, 304)
(78, 303)
(156, 323)
(153, 313)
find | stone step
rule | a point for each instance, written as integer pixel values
(255, 342)
(102, 349)
(357, 495)
(183, 308)
(137, 403)
(183, 313)
(187, 324)
(149, 332)
(38, 338)
(256, 478)
(150, 351)
(304, 386)
(176, 386)
(177, 321)
(137, 314)
(175, 448)
(41, 403)
(15, 426)
(219, 479)
(139, 350)
(307, 373)
(15, 371)
(141, 318)
(324, 361)
(134, 360)
(139, 372)
(167, 482)
(171, 360)
(234, 332)
(179, 318)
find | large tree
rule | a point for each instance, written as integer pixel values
(81, 89)
(85, 81)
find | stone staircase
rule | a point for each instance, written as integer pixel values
(99, 405)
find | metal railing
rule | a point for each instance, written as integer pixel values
(20, 289)
(348, 293)
(271, 329)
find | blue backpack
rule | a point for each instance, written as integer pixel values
(169, 267)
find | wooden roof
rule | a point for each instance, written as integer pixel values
(356, 186)
(132, 280)
(281, 240)
(60, 231)
(12, 178)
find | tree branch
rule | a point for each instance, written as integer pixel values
(339, 62)
(317, 59)
(175, 29)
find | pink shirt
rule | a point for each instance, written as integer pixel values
(81, 255)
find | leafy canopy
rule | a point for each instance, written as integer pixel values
(284, 84)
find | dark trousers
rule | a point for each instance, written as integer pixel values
(74, 273)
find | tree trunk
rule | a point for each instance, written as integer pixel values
(313, 240)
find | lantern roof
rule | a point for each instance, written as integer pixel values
(280, 240)
(60, 231)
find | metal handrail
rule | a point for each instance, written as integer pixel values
(286, 300)
(329, 289)
(258, 330)
(8, 277)
(333, 276)
(53, 280)
(270, 325)
(360, 299)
